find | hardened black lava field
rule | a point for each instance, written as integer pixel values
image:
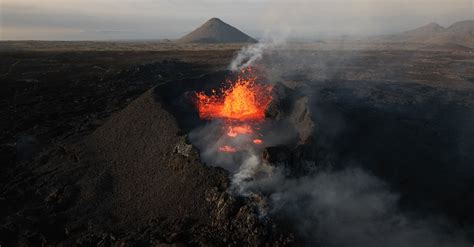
(93, 151)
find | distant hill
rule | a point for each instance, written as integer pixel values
(424, 32)
(420, 34)
(216, 31)
(460, 33)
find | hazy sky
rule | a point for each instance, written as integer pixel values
(149, 19)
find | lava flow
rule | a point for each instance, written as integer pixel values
(234, 131)
(241, 105)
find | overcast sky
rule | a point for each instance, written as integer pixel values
(157, 19)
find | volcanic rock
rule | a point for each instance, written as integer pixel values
(291, 111)
(292, 107)
(184, 149)
(277, 154)
(216, 31)
(301, 119)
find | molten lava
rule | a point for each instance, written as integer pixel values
(244, 100)
(234, 131)
(227, 149)
(241, 105)
(257, 141)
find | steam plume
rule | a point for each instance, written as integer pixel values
(248, 56)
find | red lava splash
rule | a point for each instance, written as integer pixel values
(240, 105)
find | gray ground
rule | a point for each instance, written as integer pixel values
(89, 154)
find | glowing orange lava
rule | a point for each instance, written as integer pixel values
(243, 100)
(257, 141)
(227, 149)
(234, 131)
(241, 105)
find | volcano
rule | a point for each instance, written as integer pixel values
(144, 175)
(216, 31)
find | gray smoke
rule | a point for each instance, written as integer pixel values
(345, 208)
(348, 207)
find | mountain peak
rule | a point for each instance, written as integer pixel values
(214, 20)
(431, 28)
(434, 25)
(424, 32)
(215, 30)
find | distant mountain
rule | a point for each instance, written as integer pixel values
(420, 34)
(460, 33)
(216, 31)
(424, 32)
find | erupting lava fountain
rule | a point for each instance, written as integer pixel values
(240, 105)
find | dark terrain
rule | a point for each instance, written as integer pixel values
(91, 156)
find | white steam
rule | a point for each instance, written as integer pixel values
(248, 56)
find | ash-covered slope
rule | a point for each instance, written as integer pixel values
(152, 174)
(135, 149)
(216, 31)
(132, 181)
